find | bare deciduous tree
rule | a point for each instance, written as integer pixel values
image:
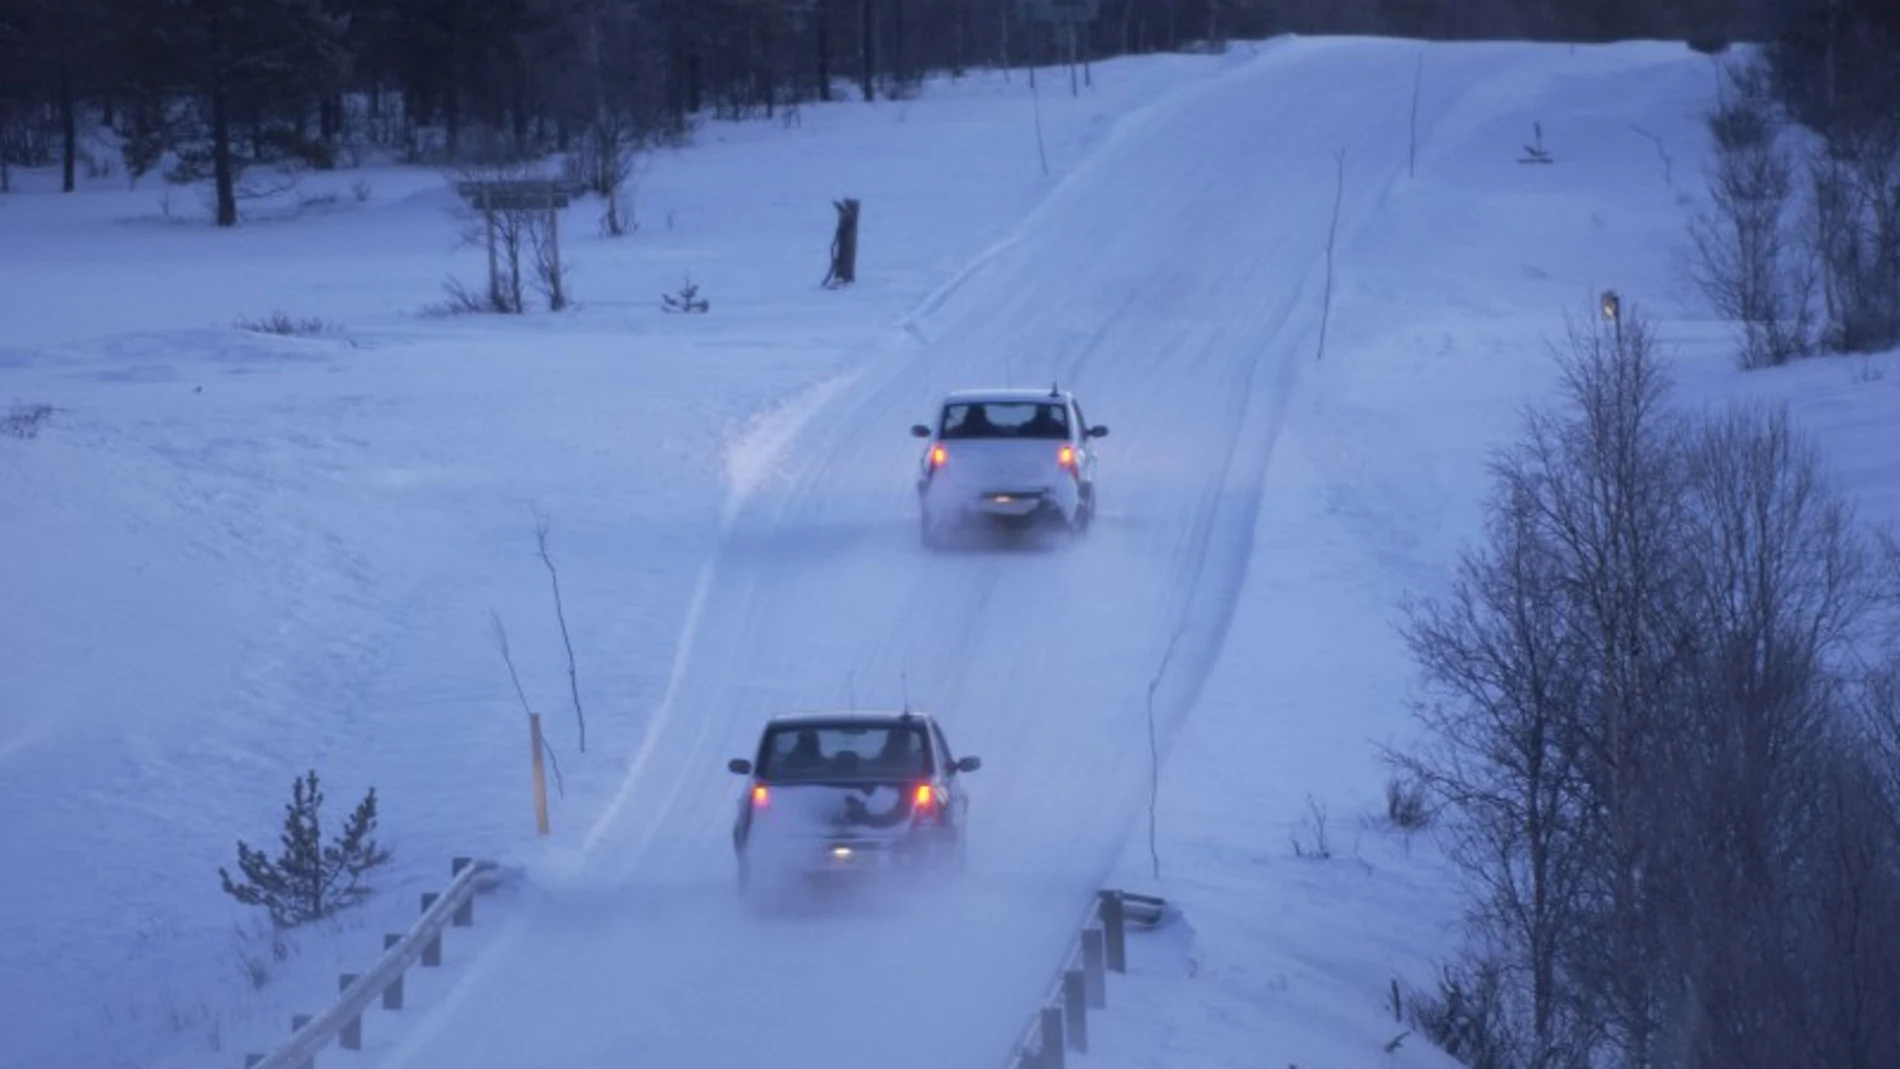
(1508, 678)
(1775, 587)
(1647, 744)
(1856, 231)
(608, 162)
(1749, 259)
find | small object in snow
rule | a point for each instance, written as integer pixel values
(687, 300)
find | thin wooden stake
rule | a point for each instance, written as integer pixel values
(540, 775)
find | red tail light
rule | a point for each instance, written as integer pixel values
(925, 798)
(1065, 457)
(760, 796)
(938, 454)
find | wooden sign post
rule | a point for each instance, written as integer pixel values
(496, 196)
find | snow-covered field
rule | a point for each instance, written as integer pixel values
(233, 556)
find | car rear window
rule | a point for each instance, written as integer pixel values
(1006, 419)
(844, 751)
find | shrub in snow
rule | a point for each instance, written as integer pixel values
(1310, 840)
(309, 880)
(281, 323)
(1405, 803)
(1749, 260)
(1535, 152)
(1465, 1016)
(686, 300)
(25, 421)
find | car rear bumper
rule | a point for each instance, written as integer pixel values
(962, 505)
(839, 857)
(1013, 503)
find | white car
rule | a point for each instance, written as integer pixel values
(1014, 458)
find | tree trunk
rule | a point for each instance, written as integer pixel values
(519, 108)
(330, 117)
(755, 69)
(962, 60)
(68, 123)
(223, 173)
(898, 70)
(867, 47)
(824, 50)
(684, 65)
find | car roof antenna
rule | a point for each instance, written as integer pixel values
(903, 683)
(1055, 389)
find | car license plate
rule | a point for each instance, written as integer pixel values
(855, 857)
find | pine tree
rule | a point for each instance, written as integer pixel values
(309, 880)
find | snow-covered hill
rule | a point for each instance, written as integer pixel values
(233, 556)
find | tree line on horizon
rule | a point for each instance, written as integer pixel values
(204, 89)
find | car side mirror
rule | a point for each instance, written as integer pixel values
(740, 766)
(919, 430)
(969, 764)
(1098, 431)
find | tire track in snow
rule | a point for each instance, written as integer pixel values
(1039, 662)
(749, 460)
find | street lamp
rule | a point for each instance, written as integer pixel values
(1612, 306)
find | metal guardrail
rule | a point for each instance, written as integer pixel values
(342, 1022)
(1060, 1024)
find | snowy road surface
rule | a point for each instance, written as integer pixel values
(1175, 282)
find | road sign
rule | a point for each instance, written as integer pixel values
(519, 195)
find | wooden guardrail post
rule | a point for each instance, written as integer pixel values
(350, 1036)
(392, 994)
(1052, 1056)
(1093, 966)
(1075, 1010)
(341, 1023)
(432, 949)
(464, 913)
(297, 1021)
(1115, 930)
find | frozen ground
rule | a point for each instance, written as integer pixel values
(1445, 317)
(235, 556)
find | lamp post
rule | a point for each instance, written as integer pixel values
(1612, 306)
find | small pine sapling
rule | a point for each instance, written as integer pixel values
(1536, 152)
(309, 880)
(686, 300)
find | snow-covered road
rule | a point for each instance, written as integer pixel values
(1175, 283)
